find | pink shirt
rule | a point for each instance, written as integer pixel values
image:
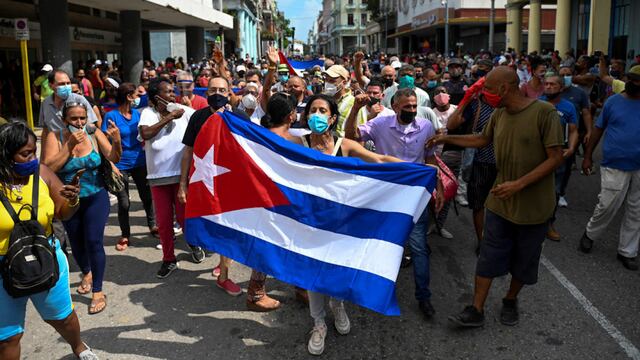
(406, 142)
(530, 92)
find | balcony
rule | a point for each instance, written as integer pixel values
(350, 5)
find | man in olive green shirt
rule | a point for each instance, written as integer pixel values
(527, 139)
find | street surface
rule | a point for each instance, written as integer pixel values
(584, 306)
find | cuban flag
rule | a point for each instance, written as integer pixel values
(328, 224)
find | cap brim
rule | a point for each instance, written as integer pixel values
(633, 76)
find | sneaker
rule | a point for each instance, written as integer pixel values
(628, 262)
(341, 320)
(461, 200)
(509, 313)
(406, 261)
(197, 254)
(469, 317)
(159, 247)
(229, 287)
(586, 244)
(552, 234)
(166, 269)
(87, 354)
(562, 202)
(177, 230)
(445, 234)
(427, 309)
(316, 340)
(264, 304)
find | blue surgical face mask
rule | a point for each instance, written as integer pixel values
(136, 102)
(318, 123)
(567, 80)
(264, 72)
(73, 129)
(144, 101)
(432, 83)
(26, 168)
(63, 91)
(284, 78)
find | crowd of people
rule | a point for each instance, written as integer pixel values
(508, 127)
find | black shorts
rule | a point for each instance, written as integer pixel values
(483, 175)
(510, 248)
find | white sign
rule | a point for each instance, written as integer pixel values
(21, 27)
(459, 44)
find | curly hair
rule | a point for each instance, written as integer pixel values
(13, 137)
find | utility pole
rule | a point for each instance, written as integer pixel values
(492, 20)
(386, 27)
(446, 27)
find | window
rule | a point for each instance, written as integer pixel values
(111, 15)
(363, 19)
(584, 10)
(350, 19)
(350, 2)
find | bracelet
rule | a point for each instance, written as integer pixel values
(74, 204)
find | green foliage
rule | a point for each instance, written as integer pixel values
(374, 7)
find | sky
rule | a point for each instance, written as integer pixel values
(302, 13)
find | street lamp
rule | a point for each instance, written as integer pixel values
(446, 27)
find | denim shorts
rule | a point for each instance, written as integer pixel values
(510, 248)
(54, 304)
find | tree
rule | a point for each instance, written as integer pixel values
(374, 7)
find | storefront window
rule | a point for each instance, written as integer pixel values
(584, 10)
(620, 28)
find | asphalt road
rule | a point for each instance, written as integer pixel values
(584, 306)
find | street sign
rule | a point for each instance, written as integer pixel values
(459, 44)
(21, 26)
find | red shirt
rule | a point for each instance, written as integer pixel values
(197, 103)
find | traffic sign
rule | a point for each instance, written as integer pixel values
(21, 26)
(459, 44)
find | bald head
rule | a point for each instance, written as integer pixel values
(388, 70)
(502, 75)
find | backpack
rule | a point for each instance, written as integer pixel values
(30, 265)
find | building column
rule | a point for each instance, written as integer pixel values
(131, 31)
(514, 26)
(195, 43)
(563, 23)
(534, 26)
(146, 45)
(56, 43)
(599, 26)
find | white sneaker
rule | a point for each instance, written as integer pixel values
(562, 202)
(316, 341)
(445, 234)
(341, 320)
(177, 230)
(159, 246)
(462, 200)
(87, 354)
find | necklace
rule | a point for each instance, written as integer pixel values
(18, 191)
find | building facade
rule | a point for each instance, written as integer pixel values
(341, 26)
(244, 39)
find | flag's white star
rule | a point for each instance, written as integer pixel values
(206, 170)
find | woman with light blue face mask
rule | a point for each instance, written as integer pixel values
(320, 115)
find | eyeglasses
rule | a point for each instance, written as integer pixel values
(71, 104)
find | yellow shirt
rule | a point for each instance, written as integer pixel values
(46, 210)
(617, 86)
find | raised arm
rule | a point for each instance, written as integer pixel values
(357, 68)
(112, 150)
(604, 74)
(149, 132)
(272, 57)
(351, 130)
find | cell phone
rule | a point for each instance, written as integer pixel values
(77, 176)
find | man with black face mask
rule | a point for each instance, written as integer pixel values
(403, 135)
(619, 123)
(457, 86)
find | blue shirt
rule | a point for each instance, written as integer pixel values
(132, 151)
(620, 120)
(567, 114)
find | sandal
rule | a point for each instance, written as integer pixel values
(122, 244)
(84, 288)
(97, 306)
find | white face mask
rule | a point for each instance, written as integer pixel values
(172, 107)
(249, 101)
(330, 89)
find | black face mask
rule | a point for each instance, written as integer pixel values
(419, 75)
(387, 82)
(373, 101)
(615, 74)
(632, 89)
(480, 73)
(407, 117)
(216, 101)
(552, 96)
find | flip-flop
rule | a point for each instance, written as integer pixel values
(122, 244)
(96, 303)
(84, 288)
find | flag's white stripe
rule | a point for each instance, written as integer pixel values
(345, 188)
(375, 256)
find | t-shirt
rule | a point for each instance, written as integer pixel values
(520, 141)
(620, 120)
(132, 152)
(164, 151)
(530, 92)
(197, 120)
(579, 99)
(197, 103)
(344, 108)
(567, 114)
(45, 89)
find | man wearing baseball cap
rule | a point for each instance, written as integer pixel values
(336, 84)
(41, 84)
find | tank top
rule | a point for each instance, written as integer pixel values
(91, 182)
(85, 86)
(337, 147)
(46, 210)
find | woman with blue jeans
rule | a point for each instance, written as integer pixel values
(18, 169)
(76, 150)
(132, 163)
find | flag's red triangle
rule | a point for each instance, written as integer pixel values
(243, 186)
(284, 60)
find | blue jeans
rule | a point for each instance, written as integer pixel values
(420, 252)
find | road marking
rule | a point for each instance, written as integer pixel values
(624, 343)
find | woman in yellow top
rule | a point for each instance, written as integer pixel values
(18, 163)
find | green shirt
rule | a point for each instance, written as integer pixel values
(45, 90)
(520, 141)
(344, 108)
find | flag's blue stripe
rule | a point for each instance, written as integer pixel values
(357, 286)
(399, 173)
(344, 219)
